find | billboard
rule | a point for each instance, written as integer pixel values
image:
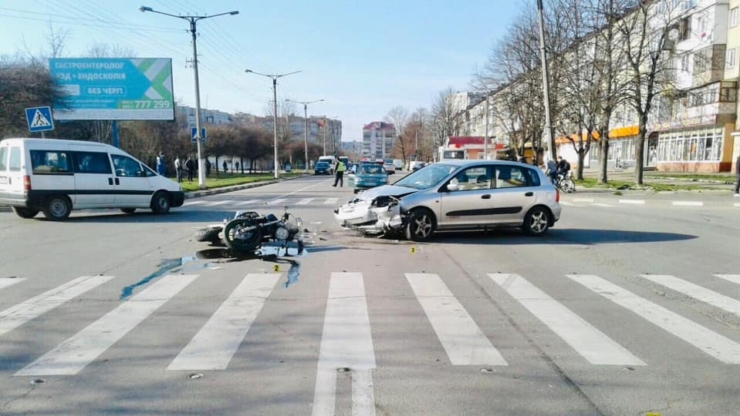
(114, 88)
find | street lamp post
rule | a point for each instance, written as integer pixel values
(545, 84)
(305, 113)
(274, 78)
(193, 21)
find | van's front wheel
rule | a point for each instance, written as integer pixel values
(161, 202)
(57, 208)
(27, 213)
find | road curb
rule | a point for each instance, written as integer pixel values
(227, 189)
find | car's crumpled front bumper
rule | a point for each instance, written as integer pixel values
(377, 216)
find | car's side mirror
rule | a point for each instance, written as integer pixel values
(452, 187)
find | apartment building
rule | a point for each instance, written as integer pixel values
(732, 69)
(378, 138)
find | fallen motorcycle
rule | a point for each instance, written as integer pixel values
(251, 233)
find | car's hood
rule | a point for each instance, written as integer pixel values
(386, 190)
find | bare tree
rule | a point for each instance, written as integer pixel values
(399, 117)
(442, 119)
(644, 41)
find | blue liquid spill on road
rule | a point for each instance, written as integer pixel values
(293, 274)
(183, 264)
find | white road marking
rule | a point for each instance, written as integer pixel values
(567, 204)
(599, 204)
(736, 204)
(632, 201)
(214, 345)
(74, 354)
(251, 201)
(305, 201)
(189, 203)
(346, 341)
(23, 312)
(734, 278)
(697, 292)
(7, 282)
(460, 336)
(589, 200)
(213, 204)
(276, 201)
(592, 344)
(331, 201)
(688, 203)
(712, 343)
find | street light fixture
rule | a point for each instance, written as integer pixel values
(274, 78)
(305, 113)
(193, 21)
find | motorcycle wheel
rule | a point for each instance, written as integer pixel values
(569, 186)
(239, 241)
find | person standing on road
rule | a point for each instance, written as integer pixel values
(340, 174)
(737, 172)
(178, 169)
(160, 164)
(190, 167)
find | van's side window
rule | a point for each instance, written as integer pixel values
(3, 158)
(15, 159)
(49, 161)
(125, 166)
(92, 162)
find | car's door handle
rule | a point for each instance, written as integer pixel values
(110, 181)
(118, 182)
(486, 196)
(529, 194)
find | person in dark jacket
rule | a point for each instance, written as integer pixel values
(737, 172)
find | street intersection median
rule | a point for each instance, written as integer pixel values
(235, 183)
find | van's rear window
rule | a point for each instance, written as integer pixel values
(50, 161)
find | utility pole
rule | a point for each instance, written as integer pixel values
(193, 31)
(324, 136)
(545, 84)
(485, 139)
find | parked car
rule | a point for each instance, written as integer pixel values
(367, 176)
(398, 163)
(57, 176)
(389, 167)
(322, 168)
(457, 195)
(414, 166)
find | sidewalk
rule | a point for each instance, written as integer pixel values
(710, 182)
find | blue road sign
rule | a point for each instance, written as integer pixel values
(193, 132)
(39, 119)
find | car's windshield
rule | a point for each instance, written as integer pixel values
(427, 177)
(322, 165)
(371, 169)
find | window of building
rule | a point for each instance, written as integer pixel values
(684, 28)
(733, 16)
(731, 60)
(691, 146)
(728, 94)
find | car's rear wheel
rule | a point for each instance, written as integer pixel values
(57, 208)
(537, 221)
(26, 213)
(420, 226)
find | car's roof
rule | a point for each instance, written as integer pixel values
(37, 141)
(466, 162)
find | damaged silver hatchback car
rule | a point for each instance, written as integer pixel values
(457, 195)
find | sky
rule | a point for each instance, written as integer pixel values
(362, 57)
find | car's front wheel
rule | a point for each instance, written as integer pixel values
(420, 226)
(161, 203)
(537, 221)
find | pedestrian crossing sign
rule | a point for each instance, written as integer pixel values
(39, 119)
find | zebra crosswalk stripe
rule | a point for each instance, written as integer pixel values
(7, 281)
(697, 292)
(734, 278)
(74, 354)
(589, 342)
(23, 312)
(458, 333)
(331, 201)
(215, 343)
(276, 201)
(213, 204)
(305, 201)
(189, 203)
(712, 343)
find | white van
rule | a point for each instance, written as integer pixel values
(56, 176)
(330, 160)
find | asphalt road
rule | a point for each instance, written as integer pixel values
(618, 311)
